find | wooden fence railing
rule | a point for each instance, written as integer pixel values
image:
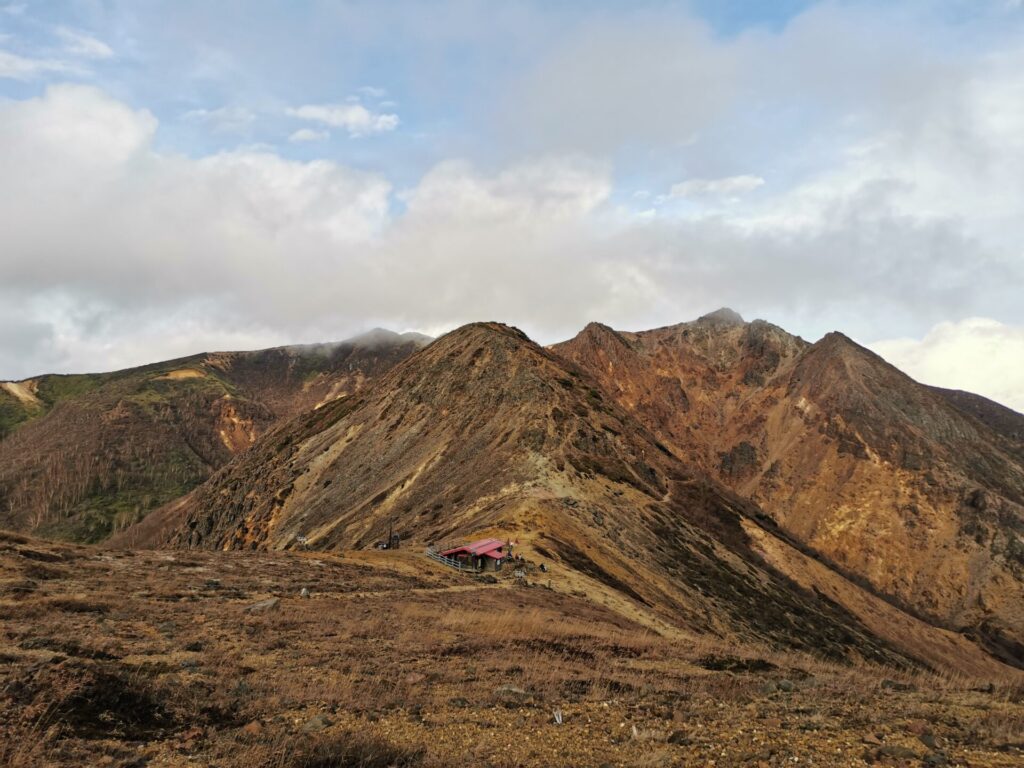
(451, 562)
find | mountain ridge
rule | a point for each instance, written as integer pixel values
(688, 473)
(101, 450)
(485, 432)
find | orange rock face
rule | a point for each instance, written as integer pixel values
(913, 491)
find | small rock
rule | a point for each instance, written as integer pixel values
(935, 759)
(872, 739)
(304, 592)
(415, 677)
(253, 729)
(679, 738)
(190, 664)
(898, 752)
(510, 694)
(459, 702)
(895, 685)
(263, 605)
(194, 647)
(786, 686)
(928, 739)
(317, 723)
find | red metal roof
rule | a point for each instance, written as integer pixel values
(482, 548)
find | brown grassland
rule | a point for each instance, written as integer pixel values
(121, 658)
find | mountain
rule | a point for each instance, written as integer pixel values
(913, 492)
(1005, 421)
(486, 433)
(84, 455)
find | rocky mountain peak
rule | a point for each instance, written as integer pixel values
(723, 317)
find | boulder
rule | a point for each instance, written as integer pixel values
(264, 605)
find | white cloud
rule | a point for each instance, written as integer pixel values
(227, 119)
(630, 80)
(278, 249)
(727, 188)
(893, 146)
(15, 67)
(551, 189)
(978, 355)
(294, 251)
(70, 132)
(158, 229)
(78, 43)
(308, 134)
(354, 118)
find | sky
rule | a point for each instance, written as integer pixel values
(185, 176)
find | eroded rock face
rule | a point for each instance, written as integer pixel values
(915, 491)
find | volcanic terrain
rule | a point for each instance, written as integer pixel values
(731, 544)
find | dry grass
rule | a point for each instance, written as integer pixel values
(153, 656)
(335, 750)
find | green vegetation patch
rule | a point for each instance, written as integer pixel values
(105, 513)
(54, 388)
(155, 392)
(13, 412)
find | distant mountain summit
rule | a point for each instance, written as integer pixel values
(723, 317)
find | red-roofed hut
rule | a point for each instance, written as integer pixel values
(483, 555)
